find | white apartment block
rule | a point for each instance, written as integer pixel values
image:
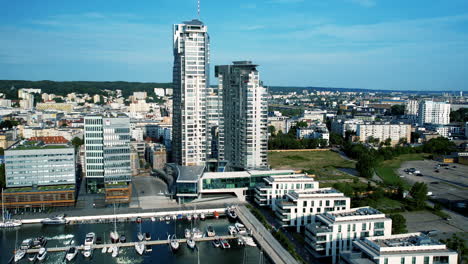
(190, 82)
(412, 248)
(317, 131)
(161, 92)
(384, 131)
(139, 95)
(314, 115)
(22, 93)
(436, 113)
(276, 187)
(299, 208)
(245, 116)
(412, 107)
(333, 232)
(340, 126)
(279, 123)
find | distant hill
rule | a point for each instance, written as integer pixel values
(64, 88)
(288, 89)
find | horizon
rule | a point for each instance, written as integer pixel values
(367, 44)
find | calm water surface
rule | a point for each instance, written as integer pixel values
(58, 236)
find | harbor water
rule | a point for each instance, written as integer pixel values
(64, 235)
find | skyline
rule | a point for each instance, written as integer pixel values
(356, 43)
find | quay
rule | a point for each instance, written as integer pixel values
(264, 238)
(130, 216)
(132, 244)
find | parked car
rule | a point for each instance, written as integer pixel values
(434, 182)
(436, 171)
(419, 174)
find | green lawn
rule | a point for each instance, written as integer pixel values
(324, 164)
(387, 171)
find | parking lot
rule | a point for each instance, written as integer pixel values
(448, 185)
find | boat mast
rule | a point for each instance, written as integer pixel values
(3, 209)
(115, 220)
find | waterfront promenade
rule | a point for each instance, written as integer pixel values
(264, 238)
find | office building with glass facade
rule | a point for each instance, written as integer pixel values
(107, 152)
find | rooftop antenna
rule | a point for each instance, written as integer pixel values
(198, 9)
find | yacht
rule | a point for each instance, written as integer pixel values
(225, 244)
(196, 233)
(39, 242)
(174, 217)
(56, 220)
(26, 244)
(148, 248)
(232, 230)
(140, 236)
(249, 241)
(122, 239)
(147, 236)
(8, 223)
(161, 218)
(191, 243)
(232, 215)
(104, 250)
(240, 241)
(216, 215)
(42, 254)
(240, 228)
(174, 243)
(90, 239)
(115, 251)
(167, 218)
(216, 243)
(19, 254)
(202, 216)
(153, 219)
(210, 232)
(114, 235)
(140, 248)
(188, 234)
(71, 253)
(189, 217)
(138, 220)
(32, 257)
(195, 216)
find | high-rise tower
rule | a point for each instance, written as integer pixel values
(190, 82)
(244, 124)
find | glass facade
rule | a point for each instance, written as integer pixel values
(229, 183)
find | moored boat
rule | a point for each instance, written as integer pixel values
(195, 216)
(191, 243)
(26, 244)
(173, 242)
(56, 220)
(115, 251)
(153, 219)
(10, 223)
(19, 254)
(32, 257)
(210, 232)
(225, 244)
(167, 218)
(148, 248)
(42, 254)
(240, 228)
(114, 236)
(232, 215)
(71, 253)
(140, 236)
(138, 220)
(122, 239)
(216, 215)
(140, 248)
(202, 216)
(196, 233)
(187, 233)
(147, 236)
(39, 242)
(104, 250)
(189, 217)
(232, 230)
(217, 243)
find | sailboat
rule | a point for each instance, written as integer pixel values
(114, 236)
(8, 223)
(140, 235)
(140, 248)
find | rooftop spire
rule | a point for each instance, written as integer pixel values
(198, 9)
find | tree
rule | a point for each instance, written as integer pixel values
(398, 224)
(458, 244)
(365, 166)
(271, 130)
(439, 145)
(336, 139)
(388, 142)
(397, 110)
(419, 193)
(77, 142)
(302, 124)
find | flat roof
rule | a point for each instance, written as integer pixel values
(230, 174)
(189, 173)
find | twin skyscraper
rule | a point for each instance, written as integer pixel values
(224, 124)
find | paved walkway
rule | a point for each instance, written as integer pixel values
(265, 239)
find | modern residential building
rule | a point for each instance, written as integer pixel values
(412, 107)
(40, 173)
(298, 209)
(245, 110)
(436, 113)
(107, 152)
(190, 82)
(314, 115)
(399, 249)
(314, 131)
(340, 126)
(333, 232)
(63, 107)
(214, 117)
(275, 187)
(384, 131)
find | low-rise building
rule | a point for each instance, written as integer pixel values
(276, 186)
(384, 131)
(397, 249)
(314, 131)
(299, 208)
(64, 107)
(333, 232)
(340, 126)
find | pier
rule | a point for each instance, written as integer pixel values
(264, 238)
(132, 244)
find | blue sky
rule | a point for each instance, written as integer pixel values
(375, 44)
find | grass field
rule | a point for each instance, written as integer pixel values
(324, 164)
(387, 171)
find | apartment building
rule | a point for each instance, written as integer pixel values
(314, 131)
(412, 248)
(333, 232)
(384, 131)
(435, 113)
(245, 110)
(275, 187)
(340, 126)
(299, 208)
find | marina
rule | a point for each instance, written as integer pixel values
(67, 241)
